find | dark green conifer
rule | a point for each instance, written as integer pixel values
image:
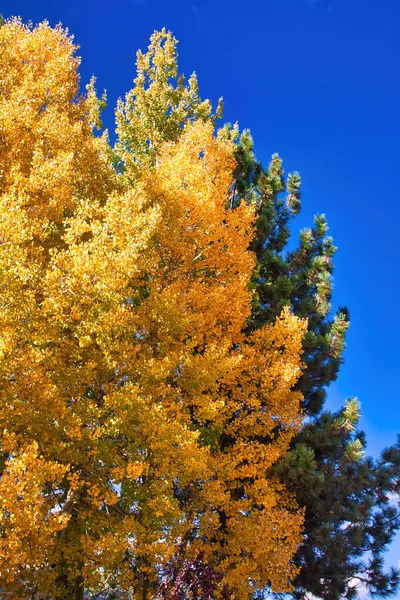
(350, 518)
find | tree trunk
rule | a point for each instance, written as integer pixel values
(145, 589)
(143, 586)
(79, 589)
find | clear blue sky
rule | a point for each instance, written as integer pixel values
(317, 81)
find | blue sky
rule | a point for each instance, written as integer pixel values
(317, 81)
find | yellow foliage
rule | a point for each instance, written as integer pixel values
(125, 367)
(30, 519)
(158, 106)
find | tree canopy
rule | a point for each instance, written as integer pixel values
(125, 356)
(160, 350)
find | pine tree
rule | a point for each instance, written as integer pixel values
(348, 498)
(350, 517)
